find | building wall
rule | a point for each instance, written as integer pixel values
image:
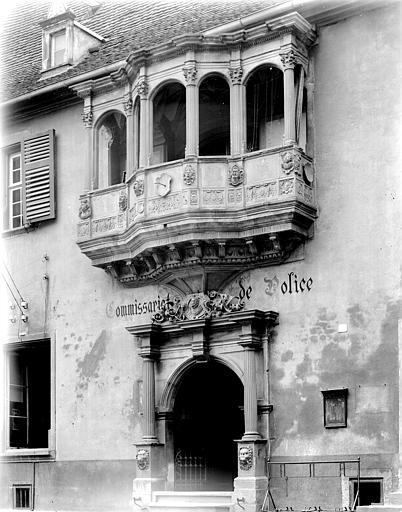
(352, 261)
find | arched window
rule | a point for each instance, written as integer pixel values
(264, 96)
(111, 150)
(214, 138)
(169, 123)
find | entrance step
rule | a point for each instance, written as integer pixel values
(213, 501)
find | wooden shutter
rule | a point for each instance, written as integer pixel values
(38, 178)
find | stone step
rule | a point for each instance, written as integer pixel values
(380, 508)
(192, 496)
(214, 501)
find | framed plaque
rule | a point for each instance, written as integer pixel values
(335, 408)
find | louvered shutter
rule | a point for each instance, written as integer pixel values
(38, 178)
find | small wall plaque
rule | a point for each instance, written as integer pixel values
(335, 407)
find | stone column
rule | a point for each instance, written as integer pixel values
(87, 119)
(250, 394)
(190, 75)
(289, 61)
(128, 109)
(236, 111)
(148, 368)
(142, 88)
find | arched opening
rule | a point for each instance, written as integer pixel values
(208, 417)
(265, 116)
(169, 123)
(112, 150)
(214, 138)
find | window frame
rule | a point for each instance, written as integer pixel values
(52, 48)
(9, 349)
(37, 183)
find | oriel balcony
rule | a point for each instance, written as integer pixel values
(214, 214)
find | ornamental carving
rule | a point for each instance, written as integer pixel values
(236, 74)
(142, 458)
(85, 210)
(162, 184)
(189, 175)
(190, 75)
(196, 306)
(246, 458)
(138, 187)
(142, 87)
(236, 175)
(214, 196)
(291, 162)
(289, 60)
(128, 106)
(123, 201)
(87, 118)
(286, 187)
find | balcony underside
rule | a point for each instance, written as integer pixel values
(203, 246)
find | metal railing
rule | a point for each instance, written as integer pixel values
(312, 474)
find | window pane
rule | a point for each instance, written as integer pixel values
(58, 47)
(16, 162)
(16, 176)
(16, 210)
(17, 222)
(16, 195)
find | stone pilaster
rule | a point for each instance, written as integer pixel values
(190, 76)
(250, 394)
(128, 110)
(289, 62)
(142, 88)
(236, 107)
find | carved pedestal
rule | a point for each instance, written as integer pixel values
(151, 473)
(251, 484)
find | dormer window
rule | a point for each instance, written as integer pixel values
(58, 46)
(65, 41)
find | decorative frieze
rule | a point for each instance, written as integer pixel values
(235, 175)
(235, 196)
(194, 198)
(189, 175)
(236, 75)
(262, 192)
(308, 194)
(214, 197)
(165, 205)
(138, 187)
(286, 187)
(103, 225)
(85, 209)
(190, 75)
(197, 306)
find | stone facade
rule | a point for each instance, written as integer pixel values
(278, 268)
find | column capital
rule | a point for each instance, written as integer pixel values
(190, 74)
(87, 117)
(142, 87)
(236, 75)
(128, 106)
(289, 59)
(149, 337)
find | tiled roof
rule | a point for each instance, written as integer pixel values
(126, 25)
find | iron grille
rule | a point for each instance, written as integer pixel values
(22, 496)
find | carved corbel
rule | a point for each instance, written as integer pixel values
(142, 87)
(275, 242)
(110, 269)
(131, 267)
(174, 253)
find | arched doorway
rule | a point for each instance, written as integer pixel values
(208, 417)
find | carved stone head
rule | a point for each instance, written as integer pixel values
(142, 459)
(245, 458)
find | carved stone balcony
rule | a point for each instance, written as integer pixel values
(210, 217)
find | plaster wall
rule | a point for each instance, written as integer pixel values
(352, 262)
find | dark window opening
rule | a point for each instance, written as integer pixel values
(214, 117)
(169, 120)
(264, 98)
(29, 396)
(370, 491)
(112, 150)
(22, 496)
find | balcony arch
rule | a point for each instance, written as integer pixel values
(169, 122)
(214, 115)
(111, 148)
(264, 107)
